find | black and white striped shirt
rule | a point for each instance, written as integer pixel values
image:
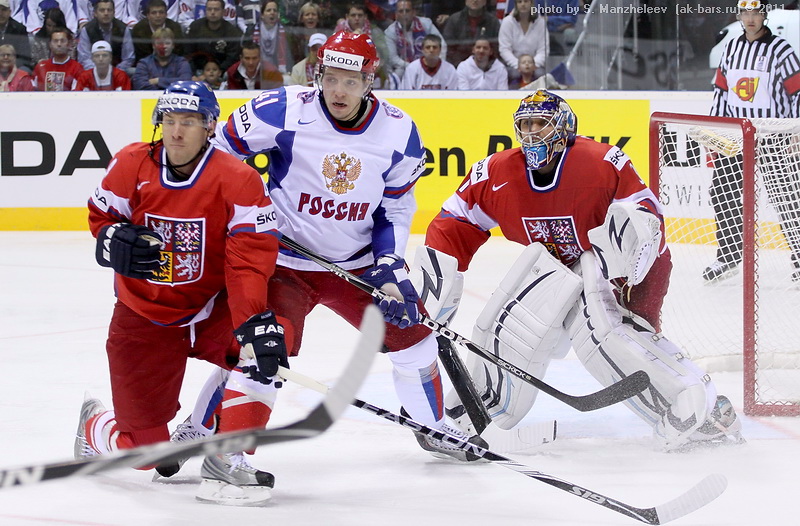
(759, 79)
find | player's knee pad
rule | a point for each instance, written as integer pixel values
(438, 283)
(523, 324)
(680, 395)
(408, 362)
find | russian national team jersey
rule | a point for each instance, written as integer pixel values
(500, 191)
(346, 192)
(215, 226)
(759, 79)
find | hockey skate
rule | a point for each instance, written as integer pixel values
(445, 450)
(91, 407)
(185, 432)
(230, 480)
(722, 427)
(719, 271)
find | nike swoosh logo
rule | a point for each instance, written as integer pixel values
(140, 185)
(303, 123)
(496, 187)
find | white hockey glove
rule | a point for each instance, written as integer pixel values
(389, 274)
(627, 243)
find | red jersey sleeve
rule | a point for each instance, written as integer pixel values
(251, 249)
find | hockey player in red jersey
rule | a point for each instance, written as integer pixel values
(187, 230)
(572, 201)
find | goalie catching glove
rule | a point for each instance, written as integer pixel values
(389, 275)
(133, 251)
(266, 338)
(628, 242)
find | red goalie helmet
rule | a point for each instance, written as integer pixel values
(353, 51)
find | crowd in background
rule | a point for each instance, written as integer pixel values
(69, 45)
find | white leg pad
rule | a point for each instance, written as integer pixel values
(681, 395)
(523, 324)
(438, 282)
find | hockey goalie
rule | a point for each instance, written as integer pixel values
(592, 278)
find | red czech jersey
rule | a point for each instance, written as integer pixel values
(501, 191)
(216, 230)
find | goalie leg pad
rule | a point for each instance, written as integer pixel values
(523, 324)
(438, 283)
(681, 395)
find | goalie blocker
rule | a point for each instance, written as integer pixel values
(541, 307)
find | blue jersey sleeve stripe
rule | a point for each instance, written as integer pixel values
(414, 146)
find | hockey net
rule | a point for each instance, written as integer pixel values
(748, 320)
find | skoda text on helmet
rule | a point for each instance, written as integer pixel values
(349, 51)
(187, 96)
(559, 125)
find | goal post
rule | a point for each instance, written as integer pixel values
(746, 319)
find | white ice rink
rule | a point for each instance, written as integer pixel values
(55, 303)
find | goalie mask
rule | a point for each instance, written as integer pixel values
(350, 51)
(187, 96)
(545, 125)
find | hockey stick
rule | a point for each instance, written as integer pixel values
(695, 498)
(627, 387)
(714, 141)
(463, 385)
(317, 422)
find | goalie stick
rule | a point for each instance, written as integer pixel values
(695, 498)
(317, 422)
(622, 390)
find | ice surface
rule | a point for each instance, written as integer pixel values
(55, 303)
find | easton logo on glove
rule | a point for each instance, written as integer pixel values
(265, 334)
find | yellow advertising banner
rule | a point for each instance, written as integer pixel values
(459, 132)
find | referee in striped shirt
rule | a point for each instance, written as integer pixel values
(758, 77)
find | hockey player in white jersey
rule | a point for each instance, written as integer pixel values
(342, 168)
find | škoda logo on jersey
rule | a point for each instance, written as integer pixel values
(182, 252)
(341, 170)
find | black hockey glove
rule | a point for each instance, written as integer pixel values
(131, 250)
(265, 334)
(389, 275)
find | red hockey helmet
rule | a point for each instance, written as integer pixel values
(353, 51)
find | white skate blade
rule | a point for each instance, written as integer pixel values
(219, 492)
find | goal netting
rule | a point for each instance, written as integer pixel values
(731, 193)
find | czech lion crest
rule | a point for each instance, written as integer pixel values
(341, 170)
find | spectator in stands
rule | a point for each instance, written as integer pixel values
(193, 10)
(463, 27)
(307, 24)
(59, 72)
(523, 33)
(562, 17)
(103, 76)
(431, 71)
(11, 77)
(212, 74)
(525, 73)
(30, 13)
(16, 35)
(482, 71)
(303, 72)
(40, 41)
(105, 26)
(213, 36)
(163, 67)
(405, 35)
(250, 72)
(440, 10)
(155, 17)
(356, 21)
(274, 46)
